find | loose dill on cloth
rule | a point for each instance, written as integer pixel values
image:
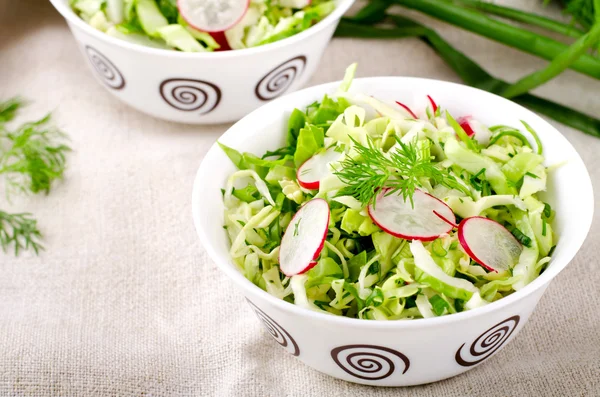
(32, 159)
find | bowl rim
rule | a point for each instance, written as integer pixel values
(225, 264)
(65, 10)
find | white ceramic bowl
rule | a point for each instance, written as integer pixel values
(397, 353)
(201, 88)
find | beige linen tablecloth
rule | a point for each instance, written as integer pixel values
(125, 302)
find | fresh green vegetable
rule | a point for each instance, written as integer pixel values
(585, 12)
(450, 11)
(20, 231)
(558, 65)
(32, 159)
(361, 268)
(526, 17)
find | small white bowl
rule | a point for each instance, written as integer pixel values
(397, 353)
(201, 88)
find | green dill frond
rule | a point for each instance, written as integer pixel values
(400, 171)
(582, 11)
(20, 231)
(9, 109)
(33, 156)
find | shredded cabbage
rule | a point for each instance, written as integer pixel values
(157, 23)
(362, 271)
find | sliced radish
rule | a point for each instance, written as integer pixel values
(434, 105)
(212, 15)
(464, 123)
(489, 243)
(407, 109)
(313, 170)
(398, 218)
(473, 127)
(454, 225)
(304, 238)
(221, 40)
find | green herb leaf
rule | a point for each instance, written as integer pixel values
(9, 109)
(33, 156)
(20, 231)
(296, 122)
(371, 171)
(310, 140)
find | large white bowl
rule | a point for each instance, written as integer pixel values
(201, 88)
(397, 353)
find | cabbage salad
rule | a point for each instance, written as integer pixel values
(202, 25)
(374, 213)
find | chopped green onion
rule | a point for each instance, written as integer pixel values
(525, 17)
(547, 212)
(543, 228)
(558, 64)
(540, 149)
(513, 133)
(519, 235)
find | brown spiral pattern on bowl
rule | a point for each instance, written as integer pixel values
(278, 80)
(108, 72)
(190, 95)
(369, 362)
(487, 343)
(278, 333)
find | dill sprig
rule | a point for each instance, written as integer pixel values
(8, 109)
(400, 170)
(32, 158)
(21, 231)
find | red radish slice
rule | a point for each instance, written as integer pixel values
(407, 109)
(489, 243)
(221, 40)
(304, 238)
(454, 225)
(398, 218)
(474, 128)
(464, 123)
(212, 15)
(433, 104)
(314, 169)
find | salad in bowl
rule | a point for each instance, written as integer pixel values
(373, 211)
(202, 25)
(167, 59)
(392, 244)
